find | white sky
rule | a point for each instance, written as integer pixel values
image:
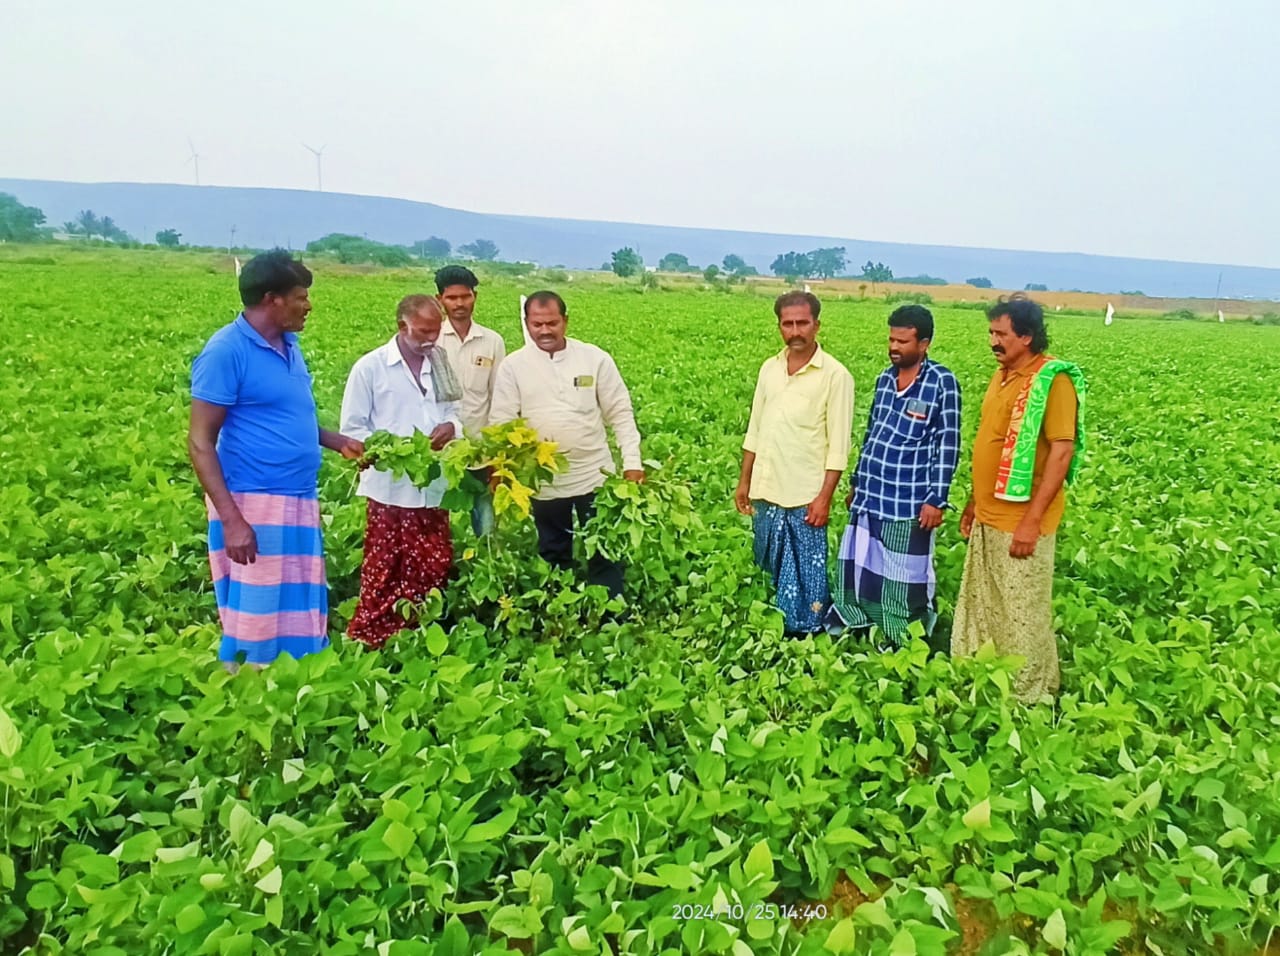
(1141, 128)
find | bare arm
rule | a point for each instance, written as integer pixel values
(819, 509)
(345, 446)
(742, 496)
(202, 447)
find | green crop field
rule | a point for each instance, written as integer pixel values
(524, 773)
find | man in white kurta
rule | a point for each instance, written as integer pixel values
(402, 387)
(569, 391)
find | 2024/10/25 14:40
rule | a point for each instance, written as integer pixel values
(736, 911)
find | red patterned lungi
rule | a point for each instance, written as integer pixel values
(407, 552)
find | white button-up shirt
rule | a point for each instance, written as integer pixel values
(475, 361)
(381, 395)
(569, 398)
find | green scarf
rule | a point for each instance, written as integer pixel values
(1018, 457)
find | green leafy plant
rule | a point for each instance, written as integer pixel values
(534, 766)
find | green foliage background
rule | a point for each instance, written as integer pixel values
(531, 767)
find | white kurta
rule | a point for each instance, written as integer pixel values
(569, 397)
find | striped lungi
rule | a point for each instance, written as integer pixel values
(795, 554)
(278, 604)
(885, 576)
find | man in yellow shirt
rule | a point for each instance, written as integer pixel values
(1012, 517)
(796, 448)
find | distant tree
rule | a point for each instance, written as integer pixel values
(979, 282)
(169, 237)
(433, 248)
(826, 263)
(735, 265)
(922, 279)
(710, 272)
(486, 250)
(1129, 292)
(606, 267)
(1036, 287)
(112, 232)
(875, 272)
(89, 223)
(390, 256)
(356, 249)
(673, 262)
(626, 262)
(71, 227)
(19, 223)
(792, 264)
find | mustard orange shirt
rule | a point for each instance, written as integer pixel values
(997, 408)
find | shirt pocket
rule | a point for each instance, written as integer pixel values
(911, 419)
(478, 374)
(582, 392)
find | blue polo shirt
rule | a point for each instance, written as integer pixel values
(270, 441)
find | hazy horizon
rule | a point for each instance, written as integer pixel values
(1119, 131)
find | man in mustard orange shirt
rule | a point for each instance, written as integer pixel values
(796, 448)
(1028, 446)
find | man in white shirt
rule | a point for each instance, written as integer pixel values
(475, 352)
(404, 386)
(568, 391)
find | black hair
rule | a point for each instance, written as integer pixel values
(788, 299)
(455, 275)
(913, 317)
(272, 273)
(1026, 316)
(545, 297)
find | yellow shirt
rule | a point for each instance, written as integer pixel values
(997, 408)
(800, 428)
(475, 362)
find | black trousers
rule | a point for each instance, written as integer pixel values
(554, 520)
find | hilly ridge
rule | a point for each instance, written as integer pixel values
(207, 215)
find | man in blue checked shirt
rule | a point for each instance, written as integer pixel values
(884, 573)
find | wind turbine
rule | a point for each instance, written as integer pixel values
(318, 153)
(194, 158)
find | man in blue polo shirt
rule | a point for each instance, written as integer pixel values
(255, 444)
(900, 487)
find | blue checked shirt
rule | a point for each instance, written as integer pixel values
(912, 446)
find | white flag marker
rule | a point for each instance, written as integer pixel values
(524, 326)
(1111, 314)
(1220, 316)
(237, 259)
(806, 287)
